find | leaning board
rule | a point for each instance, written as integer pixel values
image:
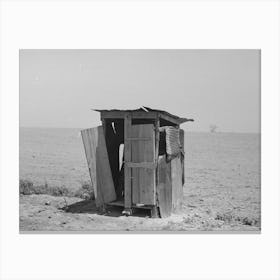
(99, 166)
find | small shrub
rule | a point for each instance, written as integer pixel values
(42, 189)
(85, 192)
(26, 187)
(58, 191)
(249, 221)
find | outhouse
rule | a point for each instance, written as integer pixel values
(136, 160)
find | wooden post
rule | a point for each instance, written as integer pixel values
(155, 212)
(127, 169)
(156, 145)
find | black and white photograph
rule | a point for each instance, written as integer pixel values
(140, 140)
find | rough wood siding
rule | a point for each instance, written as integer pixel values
(127, 158)
(183, 156)
(98, 163)
(164, 187)
(143, 175)
(177, 188)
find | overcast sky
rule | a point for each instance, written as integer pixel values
(222, 87)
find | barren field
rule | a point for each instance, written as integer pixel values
(222, 190)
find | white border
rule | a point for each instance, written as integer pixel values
(155, 24)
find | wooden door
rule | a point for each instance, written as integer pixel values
(143, 164)
(99, 166)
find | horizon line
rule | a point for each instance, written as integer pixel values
(193, 131)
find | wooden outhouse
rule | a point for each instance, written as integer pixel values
(136, 160)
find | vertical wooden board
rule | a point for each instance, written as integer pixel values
(136, 148)
(98, 163)
(143, 183)
(164, 187)
(90, 144)
(127, 158)
(177, 188)
(157, 140)
(182, 143)
(104, 173)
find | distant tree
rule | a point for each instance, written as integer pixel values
(213, 128)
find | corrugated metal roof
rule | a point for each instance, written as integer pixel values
(146, 109)
(172, 140)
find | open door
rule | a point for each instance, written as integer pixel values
(143, 164)
(99, 166)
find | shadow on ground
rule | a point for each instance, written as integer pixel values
(89, 207)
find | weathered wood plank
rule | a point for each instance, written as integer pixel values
(122, 115)
(98, 163)
(164, 187)
(90, 145)
(171, 119)
(143, 184)
(182, 143)
(150, 165)
(144, 115)
(127, 157)
(112, 115)
(157, 139)
(177, 188)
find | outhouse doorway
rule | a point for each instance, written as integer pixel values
(142, 160)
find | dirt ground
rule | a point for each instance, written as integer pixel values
(46, 213)
(222, 191)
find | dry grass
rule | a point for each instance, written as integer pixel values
(229, 218)
(26, 187)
